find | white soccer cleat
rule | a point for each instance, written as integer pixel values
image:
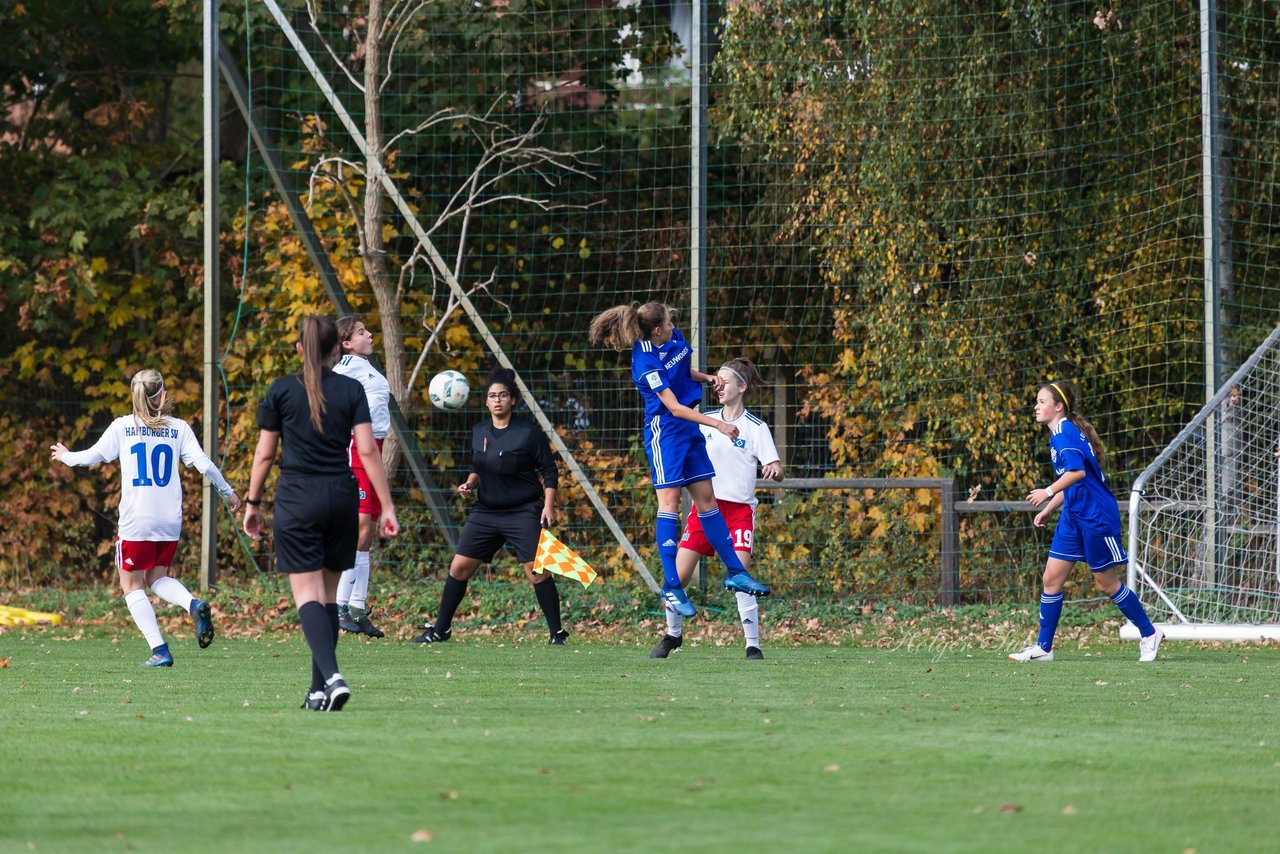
(1032, 653)
(1149, 646)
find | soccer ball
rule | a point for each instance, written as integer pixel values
(449, 390)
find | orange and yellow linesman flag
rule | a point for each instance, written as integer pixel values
(555, 556)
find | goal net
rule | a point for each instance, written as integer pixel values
(1204, 517)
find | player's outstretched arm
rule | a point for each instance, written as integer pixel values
(195, 457)
(106, 449)
(679, 410)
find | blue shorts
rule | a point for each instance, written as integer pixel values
(677, 452)
(1071, 542)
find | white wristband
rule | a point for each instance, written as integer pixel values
(1048, 490)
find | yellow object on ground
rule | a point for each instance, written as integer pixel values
(11, 616)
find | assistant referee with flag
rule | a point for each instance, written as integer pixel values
(513, 478)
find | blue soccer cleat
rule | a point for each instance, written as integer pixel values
(203, 616)
(741, 582)
(158, 659)
(678, 600)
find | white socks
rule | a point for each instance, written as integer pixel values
(749, 614)
(360, 585)
(173, 591)
(144, 617)
(675, 622)
(353, 586)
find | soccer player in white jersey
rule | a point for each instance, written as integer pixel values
(353, 587)
(1088, 528)
(149, 442)
(736, 461)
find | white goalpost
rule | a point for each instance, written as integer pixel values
(1204, 517)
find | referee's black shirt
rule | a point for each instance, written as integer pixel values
(285, 411)
(509, 462)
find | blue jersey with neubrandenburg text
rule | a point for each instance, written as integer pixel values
(654, 368)
(1089, 502)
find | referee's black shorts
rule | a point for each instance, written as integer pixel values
(316, 522)
(488, 530)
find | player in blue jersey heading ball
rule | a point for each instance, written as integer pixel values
(662, 370)
(1089, 527)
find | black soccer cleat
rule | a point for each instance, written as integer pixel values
(314, 701)
(336, 694)
(664, 647)
(430, 634)
(345, 621)
(754, 654)
(367, 627)
(559, 637)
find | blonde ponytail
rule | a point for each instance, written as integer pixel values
(151, 403)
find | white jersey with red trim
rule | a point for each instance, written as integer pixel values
(737, 461)
(376, 389)
(150, 488)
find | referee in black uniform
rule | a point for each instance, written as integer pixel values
(513, 476)
(316, 522)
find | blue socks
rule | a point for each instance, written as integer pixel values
(717, 533)
(668, 535)
(1127, 601)
(1050, 612)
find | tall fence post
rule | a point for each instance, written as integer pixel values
(212, 116)
(949, 595)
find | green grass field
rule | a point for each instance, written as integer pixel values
(511, 745)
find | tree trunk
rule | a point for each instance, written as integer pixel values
(375, 253)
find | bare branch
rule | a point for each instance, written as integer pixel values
(391, 51)
(333, 158)
(407, 269)
(315, 27)
(436, 118)
(321, 173)
(451, 305)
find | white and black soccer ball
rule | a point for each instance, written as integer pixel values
(449, 390)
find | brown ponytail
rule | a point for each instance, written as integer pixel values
(624, 325)
(1063, 392)
(318, 335)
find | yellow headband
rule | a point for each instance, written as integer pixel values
(1065, 402)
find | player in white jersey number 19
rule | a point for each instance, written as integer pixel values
(736, 462)
(356, 342)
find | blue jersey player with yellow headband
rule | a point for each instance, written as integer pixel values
(662, 370)
(1088, 529)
